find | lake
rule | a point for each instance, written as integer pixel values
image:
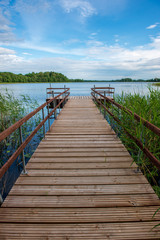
(38, 90)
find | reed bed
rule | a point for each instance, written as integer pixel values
(11, 110)
(148, 107)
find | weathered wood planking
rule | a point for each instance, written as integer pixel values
(81, 184)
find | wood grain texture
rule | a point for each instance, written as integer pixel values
(81, 184)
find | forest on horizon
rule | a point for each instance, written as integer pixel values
(42, 77)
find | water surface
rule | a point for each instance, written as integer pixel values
(38, 90)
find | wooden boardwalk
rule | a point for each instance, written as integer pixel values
(81, 184)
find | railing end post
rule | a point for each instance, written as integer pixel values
(1, 199)
(24, 172)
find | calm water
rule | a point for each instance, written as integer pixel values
(38, 90)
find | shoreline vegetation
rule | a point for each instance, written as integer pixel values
(148, 108)
(50, 77)
(157, 84)
(13, 109)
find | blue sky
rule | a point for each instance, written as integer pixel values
(89, 39)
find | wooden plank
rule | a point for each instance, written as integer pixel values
(96, 201)
(78, 141)
(80, 145)
(82, 154)
(83, 159)
(80, 133)
(82, 190)
(77, 215)
(129, 231)
(64, 135)
(81, 172)
(27, 180)
(77, 165)
(80, 149)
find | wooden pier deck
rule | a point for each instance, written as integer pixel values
(81, 184)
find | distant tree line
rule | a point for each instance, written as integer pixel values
(8, 77)
(139, 80)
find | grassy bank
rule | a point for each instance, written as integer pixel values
(147, 107)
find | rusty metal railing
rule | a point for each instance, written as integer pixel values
(51, 92)
(139, 119)
(19, 124)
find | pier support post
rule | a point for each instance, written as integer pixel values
(43, 124)
(23, 157)
(100, 106)
(49, 125)
(104, 104)
(65, 94)
(1, 199)
(54, 105)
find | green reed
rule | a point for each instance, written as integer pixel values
(148, 107)
(11, 110)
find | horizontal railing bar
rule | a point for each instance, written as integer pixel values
(58, 88)
(147, 124)
(54, 92)
(103, 88)
(19, 123)
(6, 166)
(153, 159)
(105, 91)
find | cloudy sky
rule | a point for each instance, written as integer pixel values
(89, 39)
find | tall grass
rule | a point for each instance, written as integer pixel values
(148, 107)
(11, 110)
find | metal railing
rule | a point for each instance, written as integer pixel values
(18, 125)
(107, 91)
(102, 100)
(51, 92)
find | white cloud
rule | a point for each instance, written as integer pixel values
(71, 41)
(25, 53)
(6, 26)
(32, 6)
(6, 51)
(85, 7)
(110, 7)
(93, 34)
(98, 61)
(9, 60)
(152, 26)
(82, 69)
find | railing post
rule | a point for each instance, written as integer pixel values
(59, 107)
(54, 104)
(94, 93)
(111, 122)
(65, 94)
(1, 199)
(104, 104)
(44, 123)
(139, 152)
(23, 157)
(49, 125)
(100, 105)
